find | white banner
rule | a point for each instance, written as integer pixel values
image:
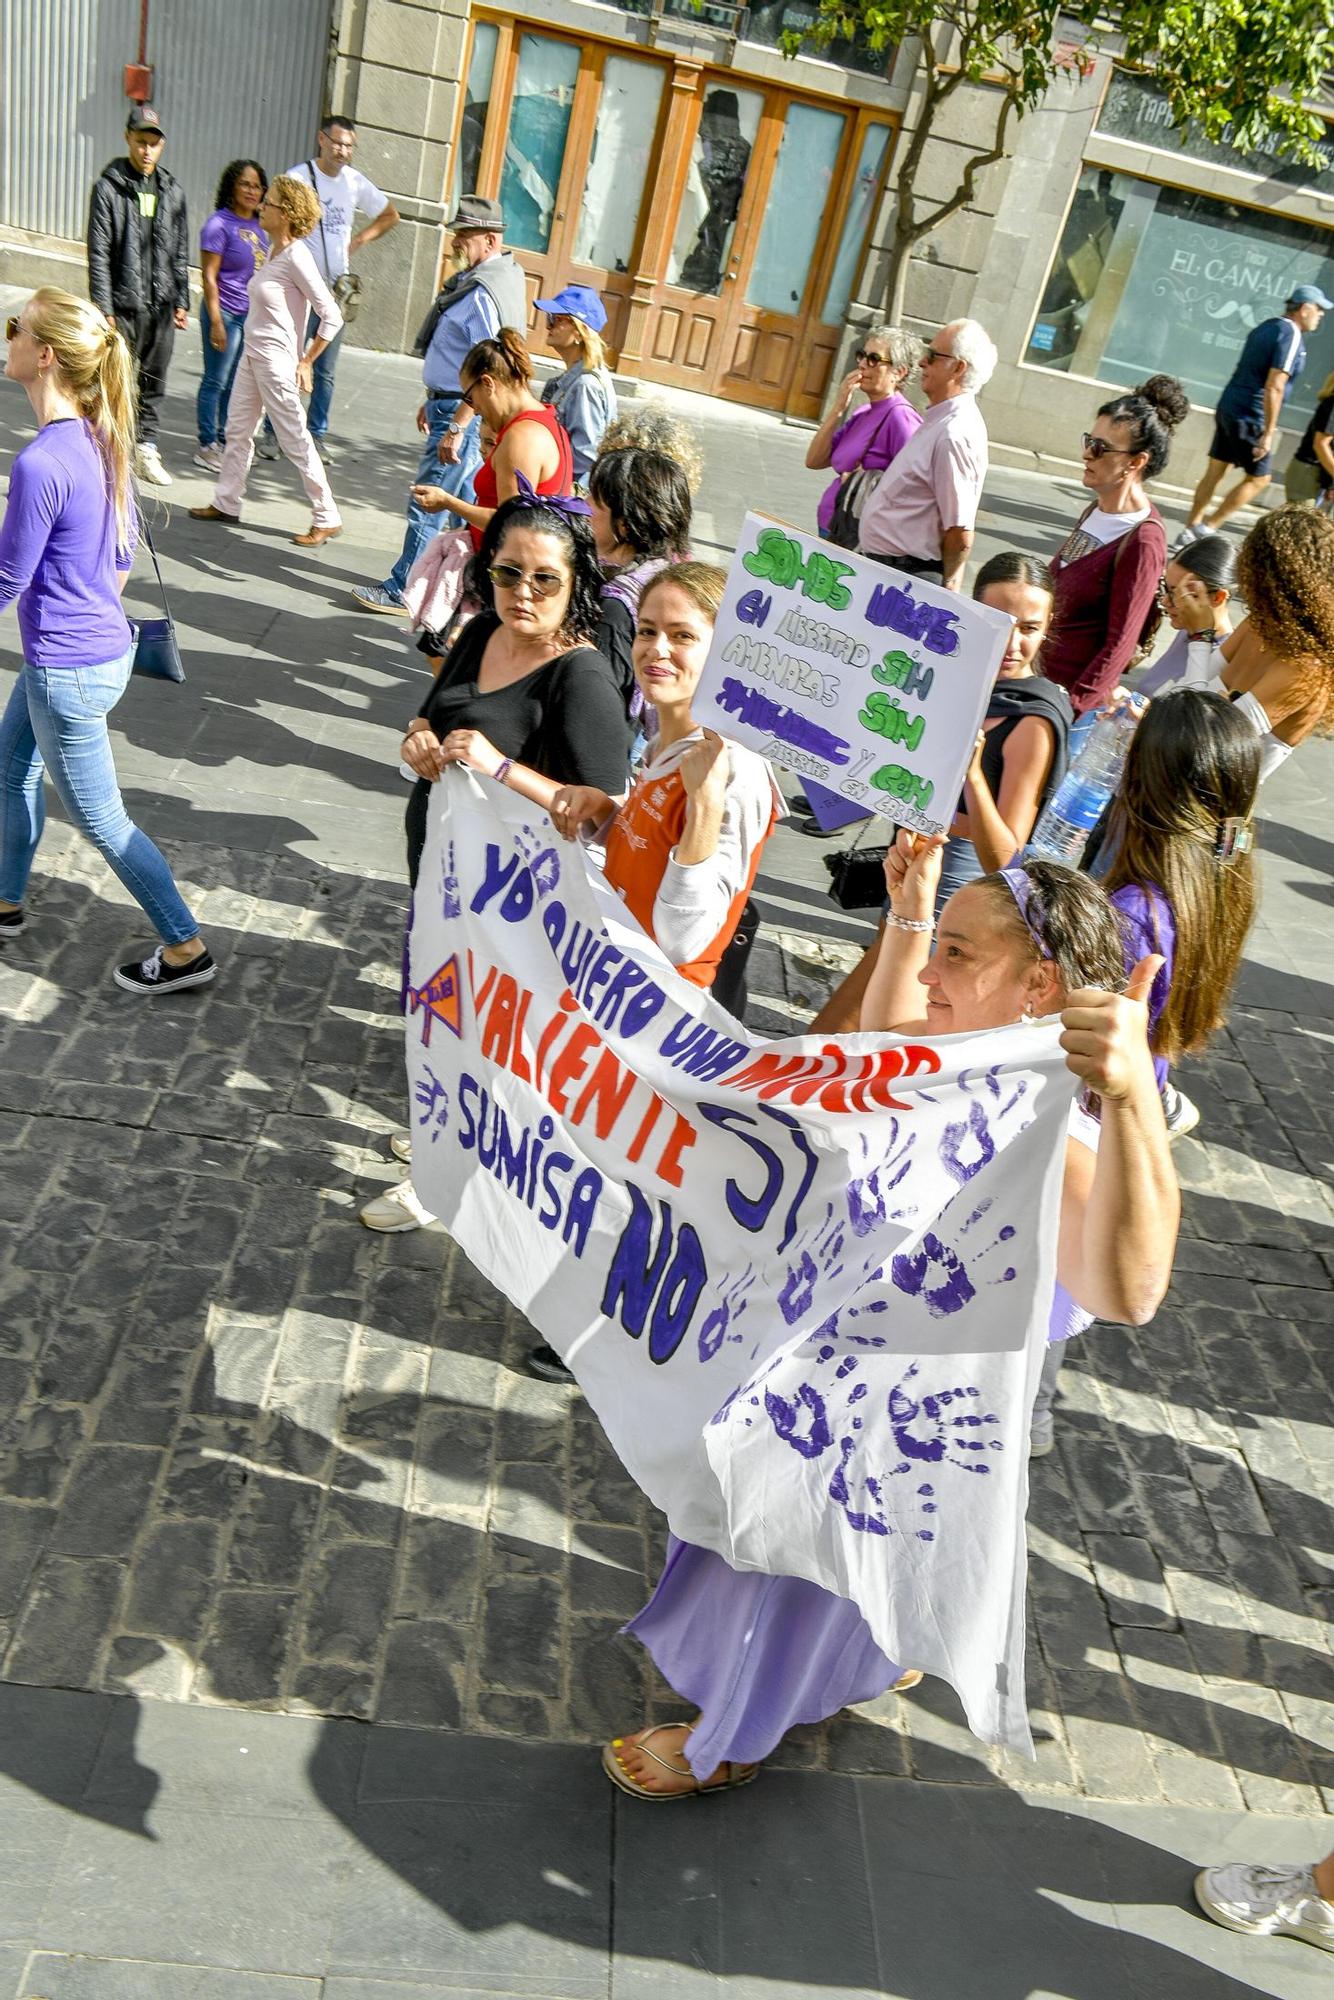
(803, 1283)
(868, 680)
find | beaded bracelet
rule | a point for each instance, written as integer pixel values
(909, 923)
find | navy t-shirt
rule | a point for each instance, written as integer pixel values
(1322, 423)
(1275, 343)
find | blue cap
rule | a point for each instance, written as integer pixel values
(580, 302)
(1310, 295)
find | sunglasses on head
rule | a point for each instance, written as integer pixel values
(1099, 447)
(872, 360)
(12, 327)
(542, 582)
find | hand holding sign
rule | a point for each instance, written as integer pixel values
(861, 678)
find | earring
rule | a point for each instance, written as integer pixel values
(1028, 1017)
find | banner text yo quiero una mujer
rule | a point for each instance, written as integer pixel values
(861, 677)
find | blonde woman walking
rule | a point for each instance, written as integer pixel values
(275, 368)
(582, 395)
(66, 544)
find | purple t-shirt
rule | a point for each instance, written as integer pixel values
(243, 245)
(872, 436)
(1149, 926)
(58, 551)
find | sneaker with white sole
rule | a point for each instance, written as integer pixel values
(266, 446)
(400, 1144)
(1181, 1114)
(13, 923)
(1267, 1902)
(374, 597)
(209, 456)
(546, 1364)
(396, 1211)
(1042, 1436)
(148, 464)
(155, 975)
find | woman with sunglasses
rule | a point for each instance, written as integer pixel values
(1108, 569)
(497, 382)
(1200, 577)
(859, 446)
(582, 395)
(522, 685)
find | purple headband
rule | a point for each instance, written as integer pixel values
(563, 503)
(1017, 882)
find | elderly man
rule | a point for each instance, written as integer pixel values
(921, 516)
(488, 292)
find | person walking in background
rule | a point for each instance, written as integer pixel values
(1246, 420)
(274, 368)
(1309, 478)
(859, 446)
(484, 295)
(138, 269)
(922, 514)
(342, 191)
(582, 395)
(1109, 568)
(66, 541)
(530, 443)
(231, 247)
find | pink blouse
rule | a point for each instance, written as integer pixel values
(283, 293)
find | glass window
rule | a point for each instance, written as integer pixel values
(618, 172)
(794, 211)
(1151, 279)
(535, 145)
(1134, 110)
(769, 19)
(856, 224)
(476, 99)
(711, 200)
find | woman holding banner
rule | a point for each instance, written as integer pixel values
(760, 1653)
(522, 680)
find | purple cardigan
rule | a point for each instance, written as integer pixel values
(871, 436)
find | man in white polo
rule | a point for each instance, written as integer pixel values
(922, 514)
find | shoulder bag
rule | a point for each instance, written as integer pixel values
(156, 653)
(346, 287)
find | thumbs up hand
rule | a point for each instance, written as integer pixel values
(1106, 1035)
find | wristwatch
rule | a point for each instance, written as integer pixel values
(454, 430)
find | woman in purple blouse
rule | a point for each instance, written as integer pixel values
(865, 442)
(66, 543)
(232, 246)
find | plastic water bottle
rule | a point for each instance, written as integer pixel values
(1082, 795)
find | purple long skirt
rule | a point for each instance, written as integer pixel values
(756, 1654)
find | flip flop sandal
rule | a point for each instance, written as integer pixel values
(738, 1774)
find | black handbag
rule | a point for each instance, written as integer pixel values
(855, 489)
(156, 653)
(857, 874)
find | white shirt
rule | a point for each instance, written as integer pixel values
(340, 197)
(933, 483)
(1096, 530)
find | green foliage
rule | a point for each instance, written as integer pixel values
(1249, 65)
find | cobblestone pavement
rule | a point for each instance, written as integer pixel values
(252, 1455)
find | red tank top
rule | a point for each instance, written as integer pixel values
(560, 481)
(639, 846)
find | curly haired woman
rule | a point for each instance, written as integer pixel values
(1278, 666)
(273, 369)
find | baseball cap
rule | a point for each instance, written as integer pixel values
(580, 302)
(1310, 295)
(475, 211)
(143, 118)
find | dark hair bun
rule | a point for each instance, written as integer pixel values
(1167, 397)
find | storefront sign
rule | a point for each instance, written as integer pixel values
(804, 1284)
(867, 680)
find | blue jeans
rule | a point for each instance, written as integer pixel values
(215, 391)
(57, 717)
(322, 376)
(456, 479)
(960, 865)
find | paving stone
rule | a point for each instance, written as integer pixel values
(244, 1653)
(521, 1645)
(24, 1533)
(68, 1615)
(172, 1579)
(1130, 1577)
(423, 1672)
(348, 1596)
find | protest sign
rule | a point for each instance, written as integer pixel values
(857, 676)
(805, 1284)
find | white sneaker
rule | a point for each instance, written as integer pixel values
(1042, 1436)
(148, 464)
(210, 457)
(397, 1211)
(1181, 1114)
(400, 1144)
(1267, 1902)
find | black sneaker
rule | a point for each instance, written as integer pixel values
(154, 975)
(13, 923)
(546, 1364)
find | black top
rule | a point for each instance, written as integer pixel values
(566, 720)
(615, 638)
(1322, 423)
(1012, 701)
